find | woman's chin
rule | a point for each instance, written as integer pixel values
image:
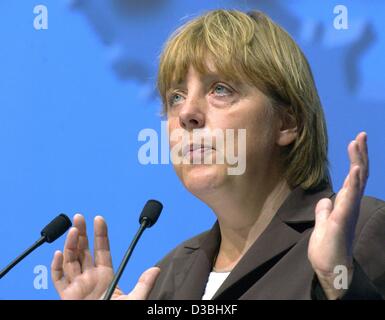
(203, 179)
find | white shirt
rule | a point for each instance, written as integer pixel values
(214, 282)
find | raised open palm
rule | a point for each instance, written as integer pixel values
(76, 275)
(331, 242)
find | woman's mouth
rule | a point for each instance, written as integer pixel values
(196, 153)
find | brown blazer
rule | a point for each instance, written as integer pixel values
(276, 265)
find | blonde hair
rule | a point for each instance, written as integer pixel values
(252, 48)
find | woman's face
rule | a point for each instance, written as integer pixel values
(203, 105)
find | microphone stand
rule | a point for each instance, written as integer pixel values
(56, 228)
(115, 280)
(37, 244)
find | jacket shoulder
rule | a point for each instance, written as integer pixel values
(369, 242)
(371, 208)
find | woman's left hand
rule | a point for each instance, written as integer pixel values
(331, 242)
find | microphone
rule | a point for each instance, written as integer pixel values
(56, 228)
(147, 219)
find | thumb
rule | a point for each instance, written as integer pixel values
(322, 212)
(145, 284)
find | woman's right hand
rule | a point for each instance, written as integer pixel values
(77, 276)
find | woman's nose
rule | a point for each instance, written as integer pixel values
(192, 115)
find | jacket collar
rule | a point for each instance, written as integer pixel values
(299, 206)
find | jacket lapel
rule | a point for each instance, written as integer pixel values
(277, 238)
(195, 264)
(294, 216)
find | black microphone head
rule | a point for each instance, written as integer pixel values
(150, 212)
(56, 228)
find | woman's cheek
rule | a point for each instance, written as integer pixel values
(221, 102)
(172, 127)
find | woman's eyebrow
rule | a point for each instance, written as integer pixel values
(209, 76)
(206, 78)
(172, 87)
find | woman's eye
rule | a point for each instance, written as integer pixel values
(221, 90)
(175, 98)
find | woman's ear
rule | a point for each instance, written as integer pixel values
(287, 128)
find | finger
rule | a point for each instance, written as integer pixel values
(346, 181)
(356, 159)
(57, 272)
(347, 202)
(354, 154)
(353, 193)
(101, 243)
(363, 148)
(71, 255)
(145, 284)
(353, 197)
(322, 212)
(83, 246)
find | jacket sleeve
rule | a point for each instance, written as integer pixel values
(368, 281)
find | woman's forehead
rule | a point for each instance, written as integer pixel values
(208, 75)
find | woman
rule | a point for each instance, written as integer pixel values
(281, 232)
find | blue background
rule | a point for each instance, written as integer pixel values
(73, 99)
